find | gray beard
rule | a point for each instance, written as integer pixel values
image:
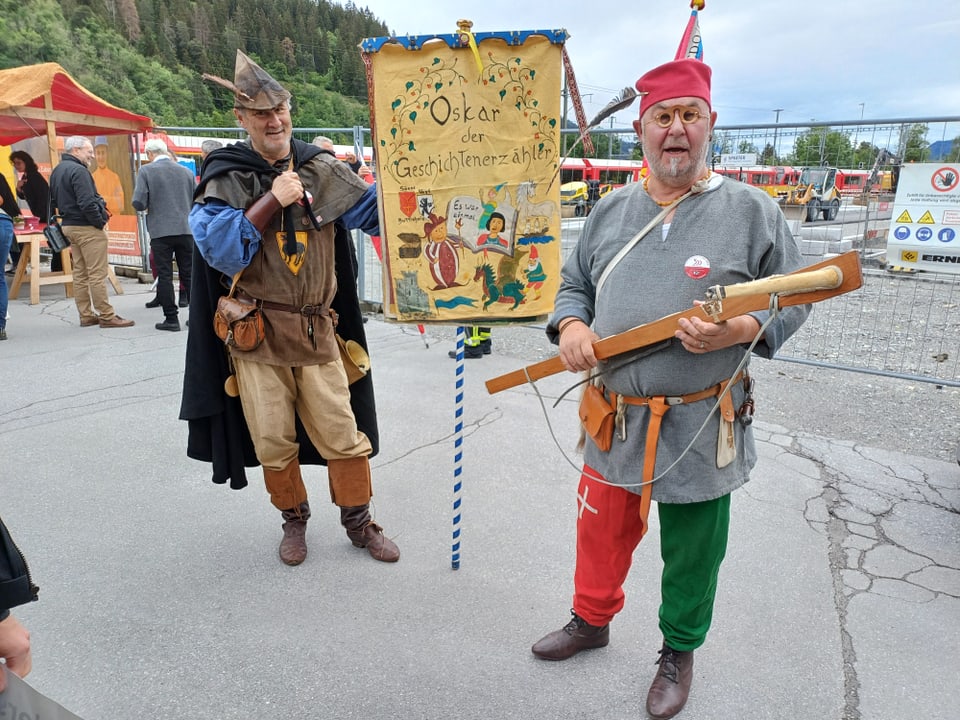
(671, 171)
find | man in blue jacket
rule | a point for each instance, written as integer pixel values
(83, 216)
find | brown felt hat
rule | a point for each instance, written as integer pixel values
(252, 86)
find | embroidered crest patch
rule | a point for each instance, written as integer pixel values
(294, 262)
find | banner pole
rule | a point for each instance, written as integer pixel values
(458, 451)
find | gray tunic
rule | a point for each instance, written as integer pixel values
(731, 233)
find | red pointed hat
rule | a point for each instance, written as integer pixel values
(675, 79)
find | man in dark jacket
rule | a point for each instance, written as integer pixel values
(15, 589)
(84, 215)
(164, 192)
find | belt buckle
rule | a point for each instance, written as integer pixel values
(308, 310)
(672, 400)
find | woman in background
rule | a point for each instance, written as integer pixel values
(33, 187)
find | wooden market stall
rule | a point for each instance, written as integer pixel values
(45, 101)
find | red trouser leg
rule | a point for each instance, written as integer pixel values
(608, 531)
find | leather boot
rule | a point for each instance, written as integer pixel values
(573, 637)
(670, 688)
(293, 547)
(364, 532)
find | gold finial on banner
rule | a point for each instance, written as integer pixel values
(466, 38)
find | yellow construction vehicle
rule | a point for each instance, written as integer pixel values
(880, 185)
(577, 198)
(815, 195)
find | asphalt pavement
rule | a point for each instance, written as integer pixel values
(162, 596)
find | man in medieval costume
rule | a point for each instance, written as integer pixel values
(271, 216)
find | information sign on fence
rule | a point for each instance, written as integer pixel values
(925, 223)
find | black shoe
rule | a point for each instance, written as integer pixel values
(171, 325)
(184, 301)
(469, 352)
(155, 303)
(575, 636)
(486, 346)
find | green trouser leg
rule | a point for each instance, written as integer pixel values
(693, 541)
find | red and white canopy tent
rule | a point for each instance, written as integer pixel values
(43, 100)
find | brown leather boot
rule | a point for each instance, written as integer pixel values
(573, 637)
(364, 532)
(670, 688)
(293, 547)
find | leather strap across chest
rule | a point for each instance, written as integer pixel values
(658, 406)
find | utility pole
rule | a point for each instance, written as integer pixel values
(776, 123)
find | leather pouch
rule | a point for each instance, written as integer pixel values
(238, 323)
(726, 440)
(597, 416)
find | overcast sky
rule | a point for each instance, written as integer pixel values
(835, 60)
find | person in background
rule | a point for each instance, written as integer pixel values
(83, 217)
(324, 143)
(9, 205)
(207, 147)
(722, 233)
(350, 158)
(107, 181)
(279, 210)
(16, 588)
(476, 344)
(6, 241)
(32, 186)
(164, 191)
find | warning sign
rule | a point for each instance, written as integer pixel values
(927, 203)
(945, 179)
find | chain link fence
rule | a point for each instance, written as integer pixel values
(903, 325)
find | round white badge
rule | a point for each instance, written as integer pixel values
(697, 267)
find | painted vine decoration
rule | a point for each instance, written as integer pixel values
(417, 96)
(518, 80)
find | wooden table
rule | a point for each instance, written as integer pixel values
(31, 240)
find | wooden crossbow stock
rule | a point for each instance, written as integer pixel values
(821, 281)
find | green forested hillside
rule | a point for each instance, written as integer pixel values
(147, 55)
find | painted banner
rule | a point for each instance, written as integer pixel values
(925, 226)
(466, 138)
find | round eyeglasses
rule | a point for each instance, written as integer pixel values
(664, 118)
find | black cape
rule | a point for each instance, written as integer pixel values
(218, 433)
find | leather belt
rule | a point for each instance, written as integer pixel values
(658, 406)
(283, 307)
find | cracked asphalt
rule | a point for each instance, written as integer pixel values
(162, 596)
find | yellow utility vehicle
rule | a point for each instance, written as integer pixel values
(577, 198)
(816, 194)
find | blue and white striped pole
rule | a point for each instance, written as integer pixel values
(458, 453)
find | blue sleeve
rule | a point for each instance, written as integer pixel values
(225, 238)
(364, 215)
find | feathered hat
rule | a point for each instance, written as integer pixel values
(252, 86)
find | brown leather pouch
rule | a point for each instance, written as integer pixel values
(597, 416)
(238, 323)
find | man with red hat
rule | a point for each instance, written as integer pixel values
(271, 216)
(649, 250)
